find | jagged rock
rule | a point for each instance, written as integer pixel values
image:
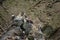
(1, 1)
(46, 10)
(48, 30)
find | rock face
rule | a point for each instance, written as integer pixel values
(20, 34)
(55, 35)
(1, 2)
(42, 12)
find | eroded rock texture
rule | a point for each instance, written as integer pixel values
(42, 12)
